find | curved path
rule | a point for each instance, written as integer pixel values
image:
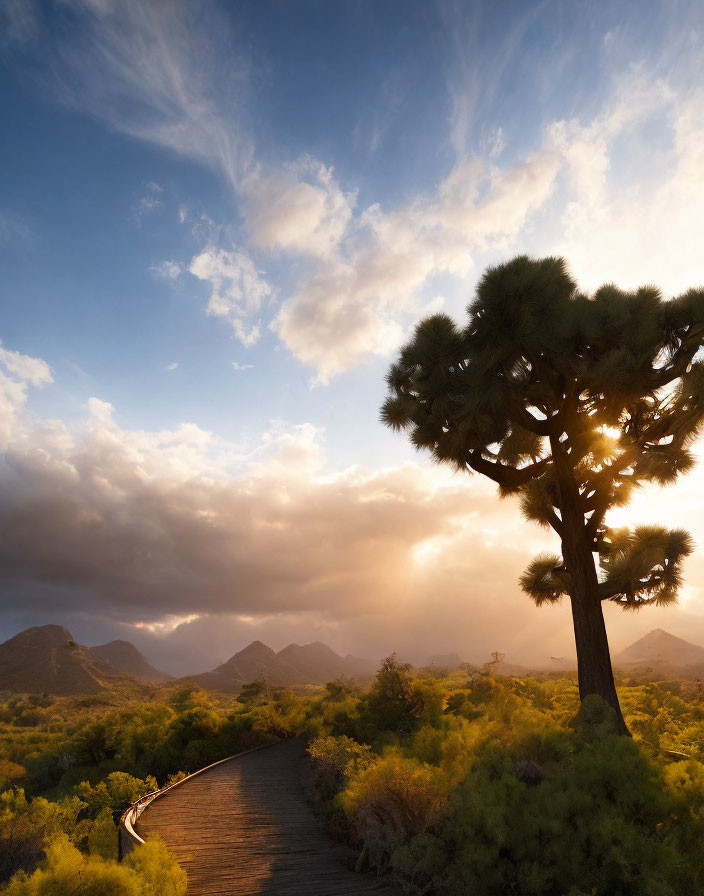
(243, 828)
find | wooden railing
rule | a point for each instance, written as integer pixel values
(128, 838)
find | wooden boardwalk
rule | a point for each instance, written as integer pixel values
(243, 828)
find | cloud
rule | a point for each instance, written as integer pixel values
(140, 525)
(167, 270)
(634, 224)
(238, 290)
(238, 366)
(597, 188)
(355, 304)
(17, 372)
(130, 532)
(19, 21)
(149, 202)
(172, 366)
(299, 208)
(25, 368)
(159, 72)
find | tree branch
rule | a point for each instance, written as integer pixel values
(519, 414)
(507, 477)
(607, 590)
(683, 358)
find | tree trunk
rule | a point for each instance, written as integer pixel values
(593, 658)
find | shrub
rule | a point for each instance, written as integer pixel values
(149, 871)
(393, 801)
(335, 759)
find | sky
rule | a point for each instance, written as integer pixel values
(219, 222)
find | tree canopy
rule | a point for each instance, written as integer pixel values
(570, 401)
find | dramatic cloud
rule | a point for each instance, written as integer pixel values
(148, 529)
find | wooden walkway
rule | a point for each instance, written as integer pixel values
(243, 828)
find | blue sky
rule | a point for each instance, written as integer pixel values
(218, 222)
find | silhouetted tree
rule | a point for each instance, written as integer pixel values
(395, 702)
(569, 401)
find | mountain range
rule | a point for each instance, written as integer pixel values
(46, 659)
(314, 663)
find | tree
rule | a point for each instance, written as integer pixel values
(395, 702)
(569, 401)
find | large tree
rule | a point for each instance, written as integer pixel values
(569, 401)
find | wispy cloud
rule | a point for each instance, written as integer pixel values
(167, 270)
(238, 366)
(149, 202)
(174, 74)
(172, 366)
(162, 72)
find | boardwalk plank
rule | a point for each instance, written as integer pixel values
(243, 828)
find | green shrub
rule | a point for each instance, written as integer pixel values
(393, 801)
(334, 760)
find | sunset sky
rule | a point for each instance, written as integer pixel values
(217, 224)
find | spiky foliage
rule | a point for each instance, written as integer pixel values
(609, 387)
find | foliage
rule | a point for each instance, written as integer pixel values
(335, 759)
(394, 801)
(570, 402)
(82, 762)
(437, 795)
(448, 809)
(66, 871)
(118, 791)
(158, 873)
(395, 702)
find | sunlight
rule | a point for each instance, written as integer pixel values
(424, 552)
(166, 625)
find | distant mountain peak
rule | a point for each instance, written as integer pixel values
(659, 648)
(256, 648)
(125, 657)
(38, 635)
(296, 664)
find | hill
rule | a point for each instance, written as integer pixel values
(46, 659)
(125, 657)
(314, 663)
(663, 653)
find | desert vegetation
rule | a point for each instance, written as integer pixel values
(452, 782)
(70, 766)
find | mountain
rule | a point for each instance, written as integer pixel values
(46, 659)
(663, 652)
(125, 657)
(314, 663)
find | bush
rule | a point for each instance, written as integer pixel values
(335, 759)
(393, 801)
(592, 825)
(148, 871)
